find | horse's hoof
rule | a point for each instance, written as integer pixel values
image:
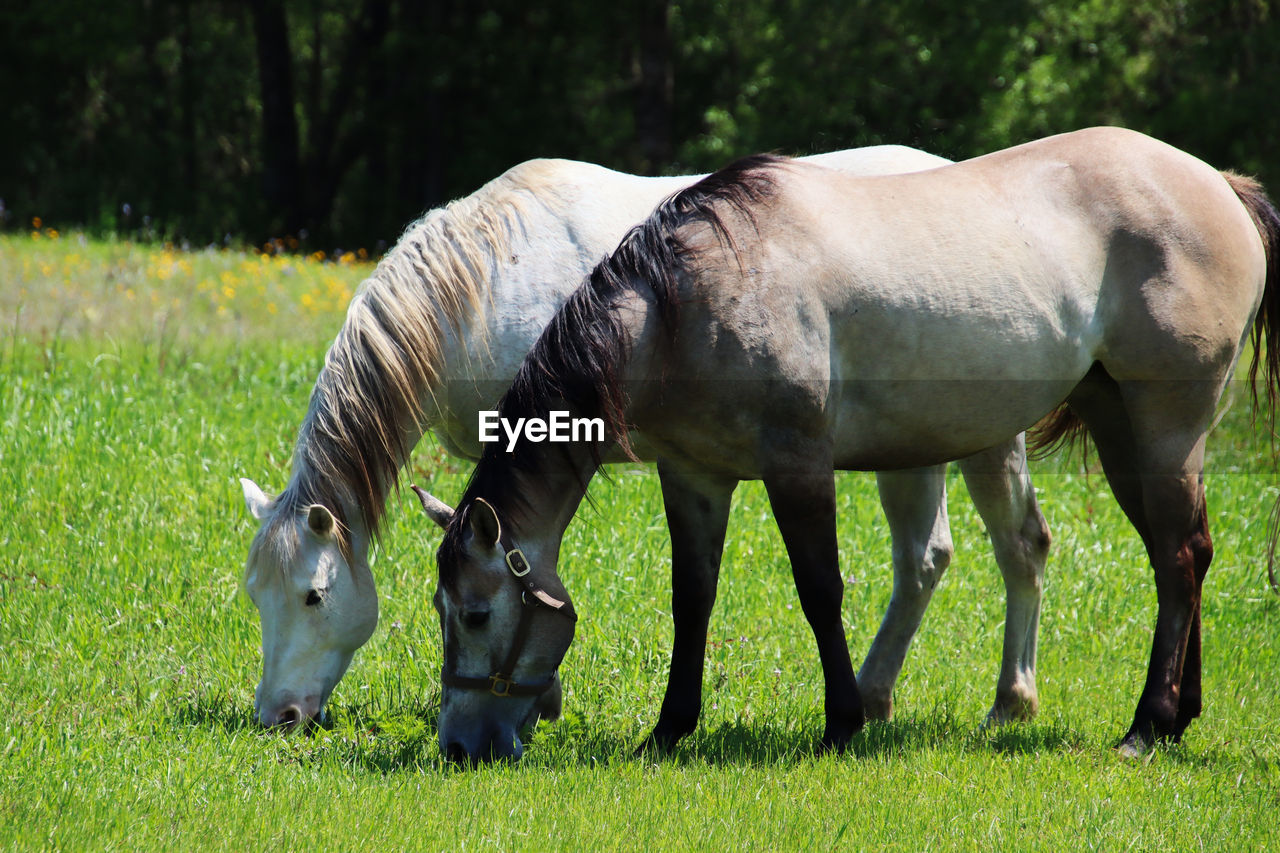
(837, 738)
(828, 746)
(1011, 709)
(1133, 747)
(834, 744)
(656, 745)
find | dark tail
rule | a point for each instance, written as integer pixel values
(1266, 324)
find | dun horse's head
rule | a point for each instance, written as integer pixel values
(506, 622)
(316, 598)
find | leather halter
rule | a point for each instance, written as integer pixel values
(532, 596)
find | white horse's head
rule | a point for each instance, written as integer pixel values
(311, 583)
(506, 626)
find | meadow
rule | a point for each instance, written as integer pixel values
(137, 383)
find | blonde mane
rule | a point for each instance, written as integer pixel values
(388, 357)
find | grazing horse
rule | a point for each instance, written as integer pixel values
(777, 321)
(437, 332)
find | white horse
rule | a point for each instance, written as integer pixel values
(435, 335)
(778, 320)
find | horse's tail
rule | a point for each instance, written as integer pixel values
(1059, 429)
(1266, 324)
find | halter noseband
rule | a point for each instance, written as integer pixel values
(500, 683)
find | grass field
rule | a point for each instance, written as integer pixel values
(137, 384)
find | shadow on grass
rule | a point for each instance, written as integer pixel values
(215, 713)
(786, 743)
(354, 735)
(363, 736)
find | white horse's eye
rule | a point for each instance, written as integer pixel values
(313, 597)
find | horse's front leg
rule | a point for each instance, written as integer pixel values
(915, 505)
(1000, 486)
(697, 515)
(802, 493)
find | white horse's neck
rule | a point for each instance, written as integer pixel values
(434, 335)
(571, 215)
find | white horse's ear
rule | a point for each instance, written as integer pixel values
(255, 499)
(436, 509)
(320, 521)
(483, 520)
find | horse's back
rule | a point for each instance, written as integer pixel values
(981, 292)
(1089, 237)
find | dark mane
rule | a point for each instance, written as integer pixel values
(578, 361)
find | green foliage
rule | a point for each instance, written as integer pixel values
(396, 106)
(128, 654)
(1191, 74)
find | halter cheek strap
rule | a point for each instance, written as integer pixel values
(532, 596)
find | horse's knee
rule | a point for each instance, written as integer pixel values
(1022, 557)
(937, 558)
(920, 568)
(1035, 536)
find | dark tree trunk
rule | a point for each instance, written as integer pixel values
(654, 95)
(187, 109)
(334, 146)
(422, 124)
(281, 175)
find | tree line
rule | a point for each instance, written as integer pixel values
(342, 120)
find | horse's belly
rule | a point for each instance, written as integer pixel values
(886, 424)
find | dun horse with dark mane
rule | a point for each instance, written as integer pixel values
(778, 321)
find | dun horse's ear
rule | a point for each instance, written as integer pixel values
(255, 499)
(320, 521)
(436, 509)
(484, 523)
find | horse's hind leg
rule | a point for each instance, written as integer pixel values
(1150, 438)
(697, 511)
(802, 494)
(1181, 550)
(1000, 486)
(915, 505)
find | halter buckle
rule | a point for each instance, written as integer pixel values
(518, 563)
(500, 685)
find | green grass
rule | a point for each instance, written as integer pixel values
(128, 654)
